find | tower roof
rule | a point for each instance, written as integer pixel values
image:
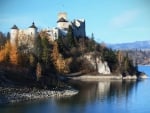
(32, 26)
(62, 20)
(14, 27)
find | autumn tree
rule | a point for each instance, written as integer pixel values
(4, 52)
(58, 61)
(55, 52)
(82, 46)
(38, 71)
(60, 64)
(13, 55)
(32, 60)
(2, 56)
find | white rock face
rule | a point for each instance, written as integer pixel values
(103, 68)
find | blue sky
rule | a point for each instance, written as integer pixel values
(111, 21)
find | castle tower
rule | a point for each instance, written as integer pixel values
(14, 34)
(62, 22)
(62, 15)
(79, 27)
(32, 30)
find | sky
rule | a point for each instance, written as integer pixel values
(111, 21)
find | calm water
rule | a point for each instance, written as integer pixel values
(95, 97)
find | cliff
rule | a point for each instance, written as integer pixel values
(99, 65)
(103, 68)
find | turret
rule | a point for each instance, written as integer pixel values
(13, 34)
(62, 22)
(32, 30)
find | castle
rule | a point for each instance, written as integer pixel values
(23, 37)
(27, 36)
(78, 27)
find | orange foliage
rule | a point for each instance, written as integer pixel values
(4, 52)
(9, 53)
(13, 55)
(2, 55)
(55, 52)
(58, 61)
(38, 71)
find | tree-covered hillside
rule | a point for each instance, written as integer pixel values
(47, 60)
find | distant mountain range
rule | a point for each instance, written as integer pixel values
(133, 45)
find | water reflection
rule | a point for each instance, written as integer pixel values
(94, 97)
(100, 91)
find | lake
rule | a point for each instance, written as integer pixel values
(94, 97)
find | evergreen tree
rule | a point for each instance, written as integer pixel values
(55, 52)
(110, 56)
(91, 43)
(38, 47)
(2, 39)
(70, 38)
(45, 51)
(58, 61)
(24, 59)
(60, 44)
(8, 36)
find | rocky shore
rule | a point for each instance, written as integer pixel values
(13, 95)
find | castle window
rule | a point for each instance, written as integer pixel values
(55, 35)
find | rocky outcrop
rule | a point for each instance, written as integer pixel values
(142, 76)
(129, 77)
(103, 67)
(96, 62)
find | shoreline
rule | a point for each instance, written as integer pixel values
(15, 95)
(103, 77)
(144, 65)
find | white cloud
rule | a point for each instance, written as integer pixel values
(124, 19)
